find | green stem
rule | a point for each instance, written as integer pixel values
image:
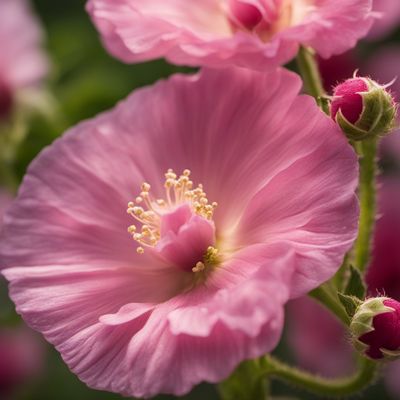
(364, 376)
(311, 77)
(330, 300)
(367, 151)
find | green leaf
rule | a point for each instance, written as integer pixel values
(355, 286)
(350, 303)
(246, 383)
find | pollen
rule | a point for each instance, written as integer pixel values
(148, 210)
(210, 259)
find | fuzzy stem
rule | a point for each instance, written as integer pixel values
(311, 77)
(367, 151)
(339, 387)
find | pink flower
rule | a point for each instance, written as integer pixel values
(388, 20)
(250, 33)
(22, 61)
(383, 277)
(318, 339)
(22, 356)
(202, 285)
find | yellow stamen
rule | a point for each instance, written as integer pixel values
(147, 210)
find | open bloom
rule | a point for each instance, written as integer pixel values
(22, 61)
(240, 194)
(249, 33)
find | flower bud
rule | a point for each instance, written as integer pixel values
(376, 328)
(363, 108)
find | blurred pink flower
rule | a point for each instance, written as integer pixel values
(250, 33)
(22, 357)
(388, 21)
(383, 277)
(203, 286)
(336, 69)
(392, 381)
(318, 339)
(22, 60)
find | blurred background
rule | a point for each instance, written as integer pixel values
(83, 81)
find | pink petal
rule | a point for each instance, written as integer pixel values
(22, 61)
(317, 213)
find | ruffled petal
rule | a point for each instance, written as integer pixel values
(312, 205)
(201, 33)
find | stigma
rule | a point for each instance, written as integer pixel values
(149, 211)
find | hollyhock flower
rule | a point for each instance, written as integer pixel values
(318, 339)
(250, 33)
(22, 61)
(240, 194)
(388, 21)
(21, 359)
(383, 275)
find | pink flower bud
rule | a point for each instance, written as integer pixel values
(376, 328)
(348, 99)
(363, 108)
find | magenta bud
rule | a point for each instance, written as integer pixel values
(376, 328)
(363, 108)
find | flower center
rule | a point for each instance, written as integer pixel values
(179, 227)
(267, 17)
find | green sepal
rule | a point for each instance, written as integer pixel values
(355, 285)
(390, 355)
(350, 303)
(362, 321)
